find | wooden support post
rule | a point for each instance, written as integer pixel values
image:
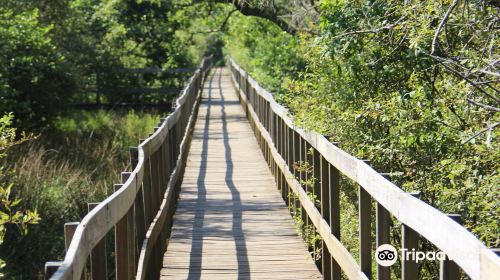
(146, 190)
(69, 231)
(326, 258)
(285, 156)
(51, 268)
(449, 270)
(334, 187)
(139, 206)
(121, 246)
(98, 256)
(131, 240)
(316, 190)
(409, 242)
(303, 177)
(383, 230)
(290, 162)
(365, 231)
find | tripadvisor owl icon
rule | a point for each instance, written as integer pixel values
(386, 255)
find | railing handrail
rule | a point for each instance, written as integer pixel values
(99, 221)
(454, 240)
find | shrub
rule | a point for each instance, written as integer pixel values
(74, 163)
(34, 82)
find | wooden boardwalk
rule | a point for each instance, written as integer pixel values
(231, 222)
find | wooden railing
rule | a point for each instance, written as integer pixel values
(141, 208)
(285, 145)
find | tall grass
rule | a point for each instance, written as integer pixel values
(75, 162)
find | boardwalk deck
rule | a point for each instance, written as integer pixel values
(231, 222)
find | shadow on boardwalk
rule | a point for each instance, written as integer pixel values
(195, 263)
(231, 222)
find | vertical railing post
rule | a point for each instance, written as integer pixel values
(69, 231)
(121, 246)
(302, 176)
(334, 189)
(98, 260)
(326, 258)
(139, 206)
(383, 224)
(365, 231)
(316, 189)
(51, 268)
(449, 270)
(286, 156)
(295, 171)
(409, 242)
(146, 189)
(131, 241)
(290, 161)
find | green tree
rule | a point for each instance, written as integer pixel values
(33, 79)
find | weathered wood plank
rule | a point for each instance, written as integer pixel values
(231, 221)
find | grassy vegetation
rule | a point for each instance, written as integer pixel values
(73, 163)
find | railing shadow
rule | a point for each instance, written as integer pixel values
(195, 256)
(198, 230)
(237, 228)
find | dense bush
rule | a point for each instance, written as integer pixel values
(33, 79)
(264, 50)
(53, 51)
(60, 172)
(379, 82)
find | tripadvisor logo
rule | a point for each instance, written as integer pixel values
(387, 255)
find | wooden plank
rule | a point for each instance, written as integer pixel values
(95, 225)
(69, 231)
(98, 256)
(338, 251)
(383, 237)
(121, 246)
(448, 269)
(365, 231)
(158, 225)
(325, 213)
(231, 221)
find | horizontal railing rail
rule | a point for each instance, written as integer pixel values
(141, 208)
(285, 145)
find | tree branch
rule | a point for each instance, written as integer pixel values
(376, 30)
(221, 27)
(442, 24)
(484, 106)
(472, 83)
(271, 15)
(481, 132)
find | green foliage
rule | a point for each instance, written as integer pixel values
(52, 51)
(76, 162)
(380, 79)
(33, 79)
(10, 211)
(264, 50)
